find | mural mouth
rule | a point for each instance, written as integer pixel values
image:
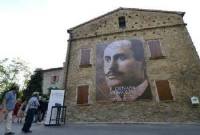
(112, 75)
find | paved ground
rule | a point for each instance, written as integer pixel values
(111, 129)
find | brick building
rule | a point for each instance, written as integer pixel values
(163, 70)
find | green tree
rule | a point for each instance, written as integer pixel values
(13, 71)
(34, 84)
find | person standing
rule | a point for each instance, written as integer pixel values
(31, 109)
(16, 109)
(9, 105)
(21, 112)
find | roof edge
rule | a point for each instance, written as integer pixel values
(69, 30)
(52, 69)
(121, 8)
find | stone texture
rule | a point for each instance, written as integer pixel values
(180, 66)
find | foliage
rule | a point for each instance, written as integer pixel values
(2, 94)
(13, 71)
(20, 94)
(34, 84)
(53, 88)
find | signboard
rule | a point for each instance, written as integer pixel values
(56, 98)
(195, 100)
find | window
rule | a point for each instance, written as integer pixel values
(54, 79)
(155, 49)
(164, 91)
(85, 57)
(122, 22)
(82, 94)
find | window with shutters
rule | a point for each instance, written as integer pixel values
(85, 58)
(82, 94)
(163, 89)
(122, 22)
(155, 49)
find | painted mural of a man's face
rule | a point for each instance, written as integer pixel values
(120, 71)
(124, 63)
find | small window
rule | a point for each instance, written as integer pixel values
(85, 57)
(122, 22)
(164, 91)
(155, 49)
(54, 79)
(82, 94)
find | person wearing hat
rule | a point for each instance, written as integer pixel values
(31, 109)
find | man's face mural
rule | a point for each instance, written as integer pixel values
(120, 71)
(120, 66)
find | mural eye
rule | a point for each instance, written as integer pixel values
(122, 57)
(107, 59)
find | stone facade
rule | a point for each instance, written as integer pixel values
(52, 78)
(180, 67)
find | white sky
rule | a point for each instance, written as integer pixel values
(36, 30)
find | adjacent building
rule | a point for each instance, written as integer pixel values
(52, 79)
(131, 65)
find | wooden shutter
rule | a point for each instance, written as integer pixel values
(82, 94)
(85, 57)
(164, 91)
(155, 49)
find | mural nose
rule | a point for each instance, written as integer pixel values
(113, 66)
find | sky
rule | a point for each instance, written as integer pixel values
(36, 30)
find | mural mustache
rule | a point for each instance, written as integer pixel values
(112, 74)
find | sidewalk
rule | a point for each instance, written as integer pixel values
(109, 129)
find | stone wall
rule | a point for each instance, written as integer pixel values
(180, 66)
(136, 20)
